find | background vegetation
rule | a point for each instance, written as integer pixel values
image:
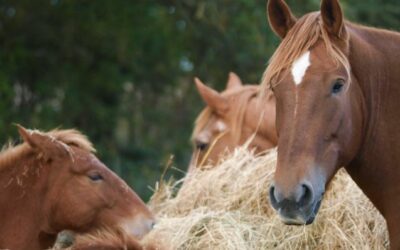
(121, 71)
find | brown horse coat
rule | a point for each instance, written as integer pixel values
(337, 91)
(53, 182)
(230, 119)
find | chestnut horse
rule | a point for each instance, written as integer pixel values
(337, 104)
(230, 119)
(53, 182)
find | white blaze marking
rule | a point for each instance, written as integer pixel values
(204, 137)
(300, 67)
(221, 126)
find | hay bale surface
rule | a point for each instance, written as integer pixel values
(227, 207)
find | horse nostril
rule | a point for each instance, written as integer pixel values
(307, 195)
(301, 196)
(272, 196)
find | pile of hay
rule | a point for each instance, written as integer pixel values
(227, 208)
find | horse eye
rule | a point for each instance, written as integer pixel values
(337, 86)
(95, 177)
(201, 146)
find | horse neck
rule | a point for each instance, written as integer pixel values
(23, 187)
(374, 59)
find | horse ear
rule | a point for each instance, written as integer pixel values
(233, 81)
(332, 17)
(47, 146)
(280, 17)
(28, 137)
(211, 97)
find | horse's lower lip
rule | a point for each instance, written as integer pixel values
(307, 219)
(294, 224)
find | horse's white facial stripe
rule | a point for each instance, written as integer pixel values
(300, 67)
(204, 137)
(221, 126)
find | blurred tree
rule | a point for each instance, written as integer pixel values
(121, 71)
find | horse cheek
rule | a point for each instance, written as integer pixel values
(76, 208)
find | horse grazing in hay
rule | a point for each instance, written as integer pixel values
(53, 182)
(337, 104)
(230, 119)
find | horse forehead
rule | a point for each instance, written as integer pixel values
(214, 125)
(311, 63)
(299, 67)
(220, 126)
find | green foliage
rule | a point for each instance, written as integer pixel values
(121, 71)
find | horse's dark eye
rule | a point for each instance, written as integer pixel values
(201, 146)
(337, 86)
(95, 177)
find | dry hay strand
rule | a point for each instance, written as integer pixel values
(227, 207)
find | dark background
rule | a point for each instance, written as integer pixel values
(121, 70)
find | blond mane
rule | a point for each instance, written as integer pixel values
(70, 137)
(242, 98)
(103, 238)
(300, 39)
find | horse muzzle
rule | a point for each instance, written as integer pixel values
(138, 227)
(299, 207)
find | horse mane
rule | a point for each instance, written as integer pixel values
(106, 238)
(69, 137)
(242, 97)
(72, 137)
(103, 235)
(301, 38)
